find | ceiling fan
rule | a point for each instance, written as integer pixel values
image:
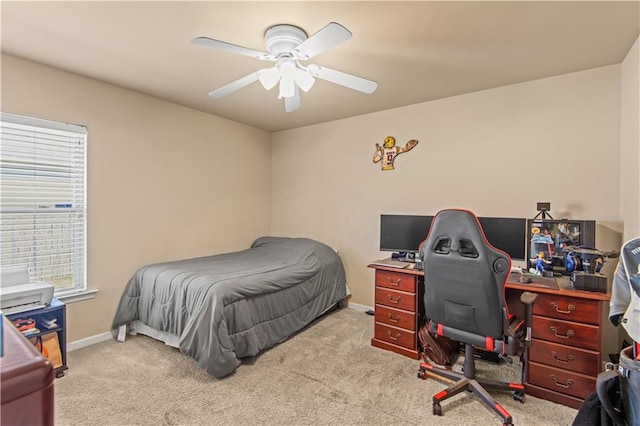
(287, 45)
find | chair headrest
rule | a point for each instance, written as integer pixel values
(458, 231)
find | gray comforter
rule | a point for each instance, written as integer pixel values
(234, 305)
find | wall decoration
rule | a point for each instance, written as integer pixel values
(389, 151)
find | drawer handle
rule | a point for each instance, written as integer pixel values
(392, 319)
(570, 308)
(392, 300)
(566, 336)
(562, 385)
(570, 358)
(392, 337)
(395, 283)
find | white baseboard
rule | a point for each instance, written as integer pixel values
(92, 340)
(88, 341)
(359, 307)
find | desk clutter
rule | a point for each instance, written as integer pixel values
(533, 280)
(398, 264)
(391, 263)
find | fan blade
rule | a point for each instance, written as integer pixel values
(343, 79)
(235, 85)
(270, 77)
(331, 35)
(223, 45)
(292, 103)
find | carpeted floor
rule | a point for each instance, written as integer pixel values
(327, 374)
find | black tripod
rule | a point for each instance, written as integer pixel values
(543, 209)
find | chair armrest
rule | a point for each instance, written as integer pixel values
(527, 299)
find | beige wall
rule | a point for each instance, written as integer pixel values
(496, 152)
(160, 189)
(630, 143)
(164, 182)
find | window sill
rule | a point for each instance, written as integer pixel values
(76, 296)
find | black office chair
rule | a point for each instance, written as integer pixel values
(464, 300)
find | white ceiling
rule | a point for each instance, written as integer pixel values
(417, 51)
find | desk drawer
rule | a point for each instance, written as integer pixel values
(565, 357)
(559, 380)
(396, 317)
(567, 308)
(397, 336)
(566, 332)
(396, 299)
(396, 281)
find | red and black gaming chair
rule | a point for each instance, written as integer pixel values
(464, 300)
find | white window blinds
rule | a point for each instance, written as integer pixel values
(43, 200)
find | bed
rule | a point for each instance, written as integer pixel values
(219, 309)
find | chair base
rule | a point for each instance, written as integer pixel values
(477, 386)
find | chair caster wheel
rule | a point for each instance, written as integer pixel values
(519, 396)
(422, 374)
(437, 409)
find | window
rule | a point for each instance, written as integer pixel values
(43, 200)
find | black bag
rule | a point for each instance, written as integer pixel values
(440, 350)
(603, 407)
(629, 370)
(616, 401)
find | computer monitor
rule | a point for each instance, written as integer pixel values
(508, 234)
(548, 238)
(403, 234)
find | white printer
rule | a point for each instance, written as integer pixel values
(18, 293)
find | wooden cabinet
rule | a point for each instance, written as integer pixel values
(565, 357)
(399, 310)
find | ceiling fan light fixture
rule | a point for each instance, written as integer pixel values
(288, 69)
(303, 79)
(287, 86)
(292, 103)
(269, 78)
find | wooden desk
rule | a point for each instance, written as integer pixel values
(568, 326)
